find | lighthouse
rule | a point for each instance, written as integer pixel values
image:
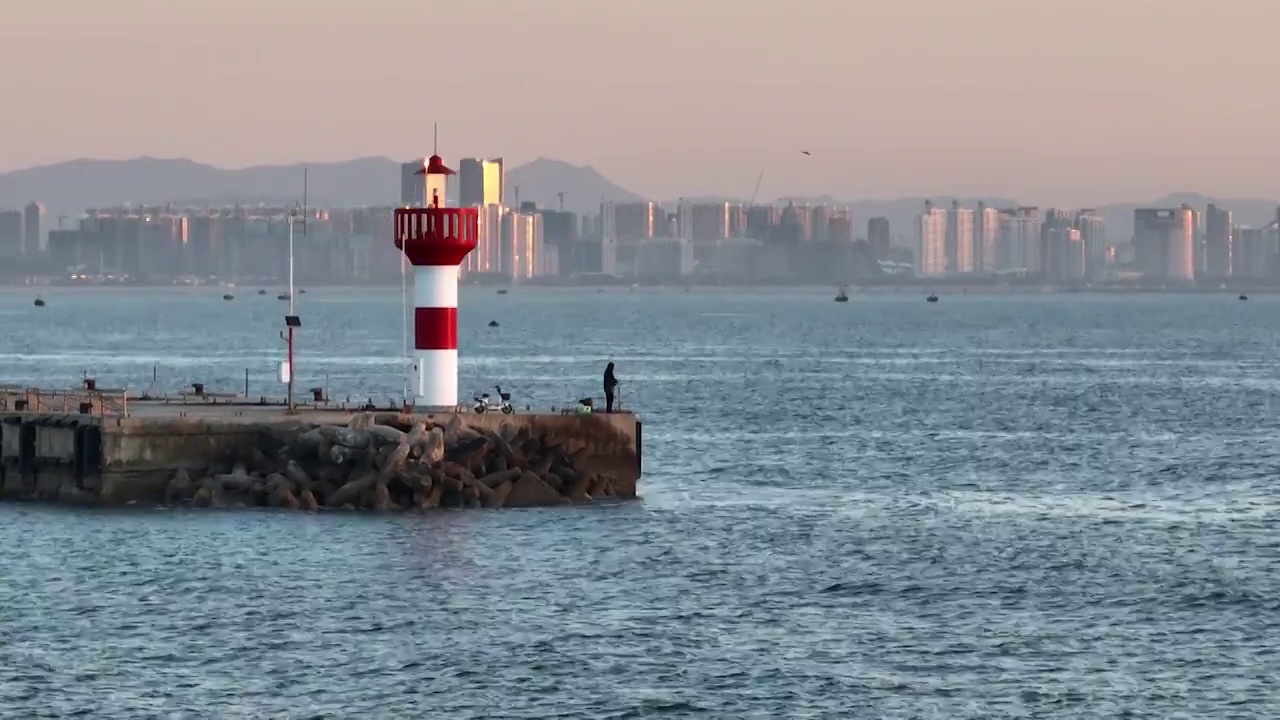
(435, 239)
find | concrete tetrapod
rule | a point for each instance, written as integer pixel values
(395, 462)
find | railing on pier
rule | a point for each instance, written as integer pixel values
(89, 402)
(89, 399)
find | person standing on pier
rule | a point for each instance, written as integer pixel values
(610, 386)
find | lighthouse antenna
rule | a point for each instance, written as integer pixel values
(435, 138)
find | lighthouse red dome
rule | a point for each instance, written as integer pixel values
(435, 166)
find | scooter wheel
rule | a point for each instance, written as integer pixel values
(507, 409)
(479, 409)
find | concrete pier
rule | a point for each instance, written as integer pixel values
(93, 447)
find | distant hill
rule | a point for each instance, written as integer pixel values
(70, 187)
(583, 186)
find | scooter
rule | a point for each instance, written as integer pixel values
(485, 403)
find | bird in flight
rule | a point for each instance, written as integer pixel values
(805, 152)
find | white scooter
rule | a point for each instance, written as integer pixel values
(485, 403)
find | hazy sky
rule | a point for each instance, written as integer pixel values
(1049, 101)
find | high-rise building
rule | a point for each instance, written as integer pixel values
(1051, 222)
(931, 236)
(1164, 242)
(1219, 245)
(11, 239)
(559, 225)
(1093, 233)
(495, 181)
(1018, 245)
(32, 229)
(523, 255)
(986, 238)
(819, 217)
(800, 218)
(878, 237)
(590, 254)
(959, 239)
(630, 220)
(793, 225)
(760, 221)
(413, 188)
(707, 222)
(471, 184)
(840, 226)
(737, 221)
(65, 248)
(480, 182)
(1064, 256)
(487, 257)
(1253, 252)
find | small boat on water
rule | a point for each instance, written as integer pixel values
(932, 298)
(502, 291)
(282, 296)
(842, 296)
(302, 291)
(39, 302)
(1243, 296)
(262, 292)
(493, 323)
(228, 296)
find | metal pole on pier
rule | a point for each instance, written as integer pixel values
(404, 331)
(291, 320)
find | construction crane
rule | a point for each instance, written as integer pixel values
(756, 192)
(561, 196)
(1274, 223)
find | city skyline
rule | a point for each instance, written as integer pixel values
(899, 100)
(699, 240)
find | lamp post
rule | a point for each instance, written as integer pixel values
(291, 320)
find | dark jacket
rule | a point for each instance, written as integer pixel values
(610, 382)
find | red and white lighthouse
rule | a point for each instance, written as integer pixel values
(435, 239)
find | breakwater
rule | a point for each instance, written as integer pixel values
(230, 455)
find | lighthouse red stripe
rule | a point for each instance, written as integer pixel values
(435, 328)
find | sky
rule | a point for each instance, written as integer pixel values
(1062, 102)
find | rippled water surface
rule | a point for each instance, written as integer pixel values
(1036, 506)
